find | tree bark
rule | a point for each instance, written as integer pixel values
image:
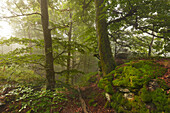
(50, 75)
(30, 43)
(69, 49)
(150, 45)
(106, 57)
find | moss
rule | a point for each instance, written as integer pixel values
(136, 76)
(109, 89)
(107, 104)
(91, 102)
(159, 99)
(145, 95)
(162, 84)
(92, 79)
(138, 106)
(106, 80)
(120, 104)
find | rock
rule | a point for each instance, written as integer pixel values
(129, 96)
(2, 97)
(124, 90)
(107, 96)
(122, 55)
(150, 106)
(153, 84)
(2, 104)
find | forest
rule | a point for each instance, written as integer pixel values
(85, 56)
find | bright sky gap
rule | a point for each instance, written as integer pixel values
(5, 28)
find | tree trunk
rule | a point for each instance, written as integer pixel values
(29, 36)
(50, 75)
(2, 52)
(150, 45)
(106, 57)
(69, 49)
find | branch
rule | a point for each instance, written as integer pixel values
(86, 5)
(119, 42)
(143, 29)
(117, 12)
(147, 27)
(130, 13)
(63, 10)
(59, 54)
(60, 27)
(19, 8)
(21, 15)
(140, 39)
(152, 34)
(38, 29)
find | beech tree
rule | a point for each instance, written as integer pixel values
(106, 57)
(118, 24)
(49, 67)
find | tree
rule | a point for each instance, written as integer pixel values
(50, 75)
(69, 50)
(106, 57)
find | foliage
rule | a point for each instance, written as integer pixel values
(35, 101)
(86, 79)
(21, 75)
(134, 24)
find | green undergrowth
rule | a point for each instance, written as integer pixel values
(86, 79)
(20, 75)
(23, 99)
(135, 77)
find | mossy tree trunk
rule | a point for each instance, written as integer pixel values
(106, 57)
(50, 75)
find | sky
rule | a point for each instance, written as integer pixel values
(5, 28)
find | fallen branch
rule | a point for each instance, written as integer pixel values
(83, 104)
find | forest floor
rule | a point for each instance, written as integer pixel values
(94, 98)
(92, 95)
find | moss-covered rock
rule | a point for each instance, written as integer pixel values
(137, 77)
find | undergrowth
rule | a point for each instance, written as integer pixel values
(26, 99)
(86, 79)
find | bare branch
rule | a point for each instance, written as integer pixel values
(19, 8)
(63, 10)
(85, 5)
(21, 15)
